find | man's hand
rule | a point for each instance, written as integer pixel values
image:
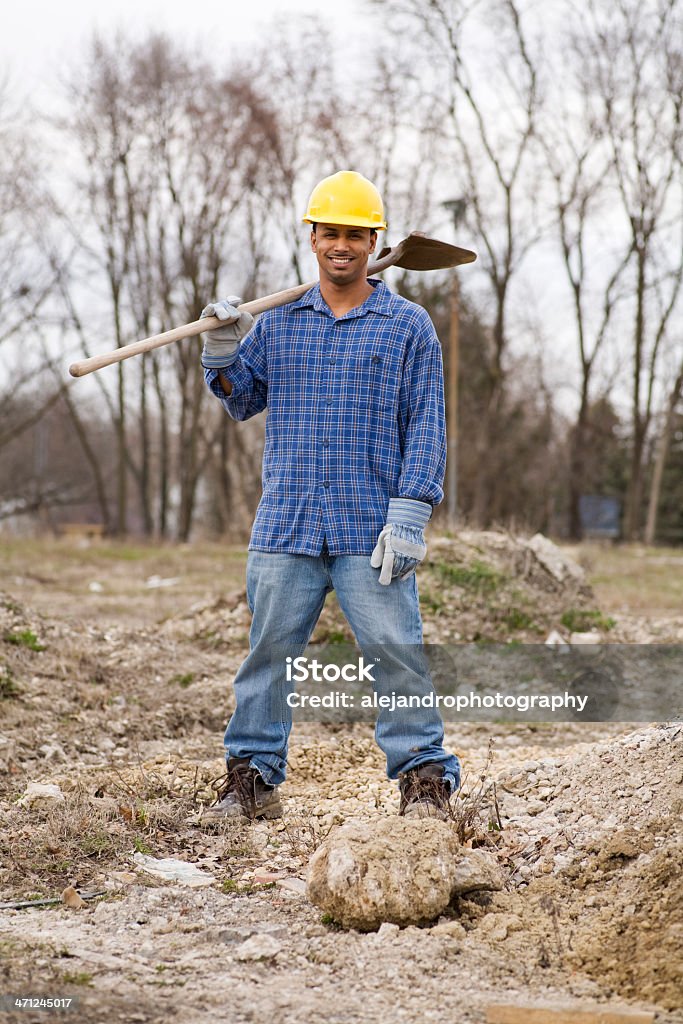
(401, 545)
(222, 345)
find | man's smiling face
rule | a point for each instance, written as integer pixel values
(342, 252)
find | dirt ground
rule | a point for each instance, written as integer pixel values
(115, 670)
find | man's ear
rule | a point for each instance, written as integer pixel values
(373, 241)
(313, 240)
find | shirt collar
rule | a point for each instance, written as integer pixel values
(378, 302)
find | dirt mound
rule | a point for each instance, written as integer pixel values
(488, 586)
(632, 935)
(595, 848)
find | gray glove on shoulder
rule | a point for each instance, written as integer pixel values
(401, 545)
(222, 345)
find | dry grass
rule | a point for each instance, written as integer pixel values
(633, 578)
(71, 843)
(50, 574)
(474, 811)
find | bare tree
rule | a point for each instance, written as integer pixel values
(165, 187)
(299, 117)
(633, 58)
(103, 125)
(26, 281)
(579, 164)
(491, 113)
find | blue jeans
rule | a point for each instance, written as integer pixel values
(286, 594)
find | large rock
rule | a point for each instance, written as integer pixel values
(396, 870)
(555, 561)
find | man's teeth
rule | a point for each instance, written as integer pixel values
(341, 259)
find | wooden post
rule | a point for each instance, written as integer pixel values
(562, 1013)
(452, 406)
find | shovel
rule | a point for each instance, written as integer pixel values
(416, 252)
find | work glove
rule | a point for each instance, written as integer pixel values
(222, 345)
(401, 545)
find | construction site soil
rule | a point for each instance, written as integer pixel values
(115, 672)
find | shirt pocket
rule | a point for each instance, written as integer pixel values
(374, 380)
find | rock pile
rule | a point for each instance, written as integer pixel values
(395, 870)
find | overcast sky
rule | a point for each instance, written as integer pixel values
(41, 40)
(40, 37)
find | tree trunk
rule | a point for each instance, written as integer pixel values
(144, 478)
(121, 474)
(660, 461)
(634, 496)
(164, 454)
(576, 464)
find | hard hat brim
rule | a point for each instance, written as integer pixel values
(348, 221)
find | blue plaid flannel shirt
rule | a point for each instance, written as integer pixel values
(355, 417)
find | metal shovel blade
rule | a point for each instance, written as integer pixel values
(417, 252)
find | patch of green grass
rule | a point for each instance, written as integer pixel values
(97, 843)
(330, 922)
(124, 552)
(24, 638)
(183, 680)
(229, 885)
(336, 636)
(8, 687)
(239, 851)
(139, 814)
(77, 978)
(478, 576)
(515, 618)
(259, 887)
(142, 847)
(430, 602)
(581, 620)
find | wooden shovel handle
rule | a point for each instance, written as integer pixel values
(209, 323)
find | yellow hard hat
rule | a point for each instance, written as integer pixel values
(346, 198)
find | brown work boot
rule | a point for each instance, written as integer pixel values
(425, 793)
(242, 795)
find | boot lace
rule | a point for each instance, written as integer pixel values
(238, 779)
(424, 789)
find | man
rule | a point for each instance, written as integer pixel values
(354, 460)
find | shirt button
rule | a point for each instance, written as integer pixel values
(326, 443)
(332, 359)
(326, 483)
(329, 401)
